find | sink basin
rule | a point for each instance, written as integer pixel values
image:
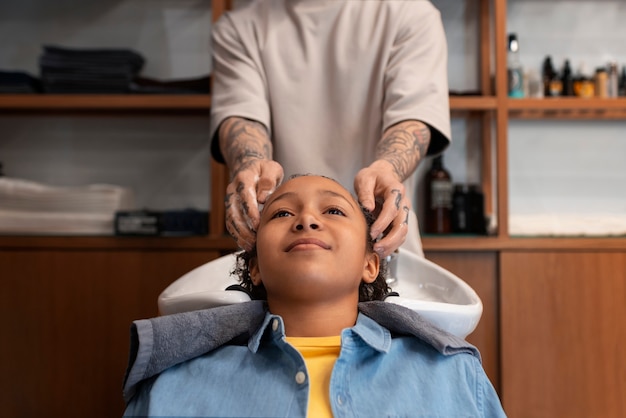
(435, 293)
(423, 286)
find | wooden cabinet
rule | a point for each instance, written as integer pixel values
(563, 333)
(65, 315)
(479, 270)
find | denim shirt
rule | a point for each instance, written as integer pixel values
(375, 375)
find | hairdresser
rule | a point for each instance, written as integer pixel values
(355, 90)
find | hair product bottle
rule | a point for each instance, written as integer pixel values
(551, 83)
(622, 82)
(613, 80)
(602, 82)
(438, 199)
(567, 80)
(515, 72)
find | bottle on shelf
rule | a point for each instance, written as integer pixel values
(476, 210)
(459, 219)
(613, 80)
(584, 86)
(622, 82)
(438, 199)
(551, 83)
(534, 84)
(567, 86)
(602, 81)
(515, 72)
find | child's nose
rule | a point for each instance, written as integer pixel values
(300, 227)
(307, 221)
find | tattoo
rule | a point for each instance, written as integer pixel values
(403, 146)
(398, 197)
(233, 225)
(406, 219)
(243, 141)
(245, 207)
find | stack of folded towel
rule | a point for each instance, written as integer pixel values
(65, 70)
(18, 82)
(568, 224)
(27, 207)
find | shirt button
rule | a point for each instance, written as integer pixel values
(300, 378)
(339, 400)
(275, 324)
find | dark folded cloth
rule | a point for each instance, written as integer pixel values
(53, 55)
(94, 70)
(144, 85)
(18, 82)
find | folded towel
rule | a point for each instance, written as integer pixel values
(568, 224)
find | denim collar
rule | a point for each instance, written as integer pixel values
(369, 331)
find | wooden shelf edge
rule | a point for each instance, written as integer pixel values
(220, 243)
(565, 103)
(469, 103)
(518, 243)
(568, 108)
(38, 102)
(95, 102)
(225, 243)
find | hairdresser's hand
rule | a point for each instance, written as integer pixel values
(380, 183)
(251, 185)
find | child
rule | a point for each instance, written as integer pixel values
(311, 349)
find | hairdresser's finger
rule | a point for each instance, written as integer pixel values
(236, 224)
(394, 238)
(364, 186)
(389, 211)
(271, 175)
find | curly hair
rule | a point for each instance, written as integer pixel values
(377, 290)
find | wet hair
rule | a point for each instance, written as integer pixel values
(377, 290)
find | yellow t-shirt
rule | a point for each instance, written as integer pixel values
(319, 355)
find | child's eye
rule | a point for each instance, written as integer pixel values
(335, 211)
(281, 214)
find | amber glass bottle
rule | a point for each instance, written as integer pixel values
(438, 199)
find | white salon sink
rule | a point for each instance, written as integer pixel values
(423, 286)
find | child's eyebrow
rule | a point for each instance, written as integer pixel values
(335, 194)
(287, 195)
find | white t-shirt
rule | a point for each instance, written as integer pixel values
(327, 77)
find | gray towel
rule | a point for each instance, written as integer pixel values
(404, 321)
(160, 343)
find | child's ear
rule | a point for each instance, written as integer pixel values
(371, 266)
(255, 273)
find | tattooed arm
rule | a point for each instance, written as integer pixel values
(247, 149)
(398, 153)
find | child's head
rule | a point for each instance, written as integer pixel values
(313, 241)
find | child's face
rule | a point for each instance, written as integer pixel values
(311, 242)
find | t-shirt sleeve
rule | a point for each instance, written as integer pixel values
(416, 76)
(239, 85)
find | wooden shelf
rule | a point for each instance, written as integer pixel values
(477, 243)
(218, 243)
(567, 108)
(225, 243)
(104, 102)
(201, 102)
(469, 103)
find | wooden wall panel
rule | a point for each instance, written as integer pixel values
(65, 318)
(564, 334)
(479, 270)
